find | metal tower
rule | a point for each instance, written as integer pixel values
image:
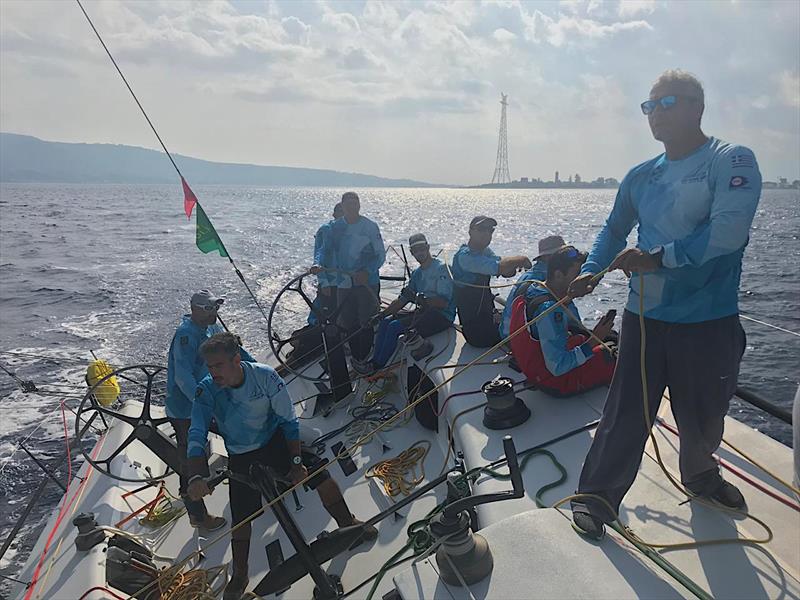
(501, 166)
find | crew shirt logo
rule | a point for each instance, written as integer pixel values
(737, 181)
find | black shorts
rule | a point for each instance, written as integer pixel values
(244, 499)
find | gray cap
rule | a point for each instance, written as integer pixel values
(418, 239)
(204, 299)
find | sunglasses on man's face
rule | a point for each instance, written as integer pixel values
(488, 229)
(210, 309)
(665, 102)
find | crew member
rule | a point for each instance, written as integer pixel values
(185, 368)
(538, 272)
(324, 268)
(358, 253)
(473, 266)
(431, 287)
(256, 418)
(557, 355)
(693, 205)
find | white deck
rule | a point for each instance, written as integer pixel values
(554, 554)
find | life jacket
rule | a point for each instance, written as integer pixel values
(527, 350)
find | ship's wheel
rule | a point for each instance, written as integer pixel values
(295, 298)
(143, 383)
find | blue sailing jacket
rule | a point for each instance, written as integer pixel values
(185, 366)
(247, 416)
(324, 255)
(433, 282)
(537, 272)
(699, 209)
(553, 331)
(357, 247)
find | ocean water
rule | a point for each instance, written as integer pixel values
(110, 268)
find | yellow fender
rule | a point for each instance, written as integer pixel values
(108, 391)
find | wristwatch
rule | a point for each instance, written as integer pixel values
(297, 460)
(658, 253)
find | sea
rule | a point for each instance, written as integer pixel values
(109, 269)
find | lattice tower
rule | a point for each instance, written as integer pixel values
(501, 174)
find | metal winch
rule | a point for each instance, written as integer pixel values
(503, 409)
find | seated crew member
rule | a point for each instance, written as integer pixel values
(473, 266)
(538, 272)
(185, 369)
(432, 285)
(557, 356)
(256, 418)
(358, 253)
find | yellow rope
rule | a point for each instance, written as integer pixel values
(195, 584)
(404, 472)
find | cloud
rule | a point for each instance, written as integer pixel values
(789, 88)
(632, 8)
(574, 30)
(503, 35)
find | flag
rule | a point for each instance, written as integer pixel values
(207, 238)
(189, 199)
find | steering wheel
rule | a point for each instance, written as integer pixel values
(145, 382)
(278, 343)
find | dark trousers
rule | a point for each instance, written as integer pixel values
(481, 331)
(195, 508)
(699, 362)
(356, 306)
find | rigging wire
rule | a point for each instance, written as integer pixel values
(167, 152)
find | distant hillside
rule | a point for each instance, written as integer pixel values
(24, 158)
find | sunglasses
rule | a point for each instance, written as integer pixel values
(211, 309)
(666, 102)
(485, 229)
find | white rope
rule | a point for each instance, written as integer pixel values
(769, 325)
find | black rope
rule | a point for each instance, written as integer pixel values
(169, 156)
(25, 385)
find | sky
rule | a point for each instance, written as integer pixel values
(403, 89)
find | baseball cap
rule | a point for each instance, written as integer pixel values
(417, 239)
(482, 220)
(204, 299)
(550, 244)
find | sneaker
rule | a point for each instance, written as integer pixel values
(362, 367)
(370, 533)
(588, 526)
(210, 523)
(236, 586)
(728, 495)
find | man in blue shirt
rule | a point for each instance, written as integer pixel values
(474, 264)
(538, 272)
(185, 368)
(255, 416)
(694, 205)
(432, 288)
(358, 253)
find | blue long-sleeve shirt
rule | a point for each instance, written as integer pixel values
(553, 331)
(357, 247)
(185, 366)
(699, 209)
(247, 416)
(324, 255)
(537, 272)
(434, 282)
